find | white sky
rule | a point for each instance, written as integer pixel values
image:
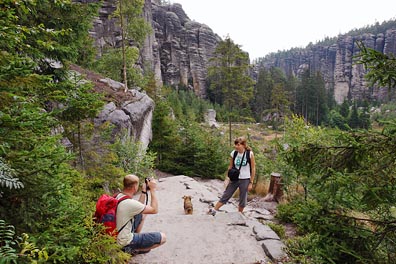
(264, 26)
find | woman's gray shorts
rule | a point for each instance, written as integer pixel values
(232, 187)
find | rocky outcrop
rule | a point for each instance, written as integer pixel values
(182, 47)
(337, 64)
(210, 118)
(177, 51)
(133, 116)
(130, 111)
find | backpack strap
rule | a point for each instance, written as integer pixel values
(123, 198)
(234, 157)
(248, 160)
(247, 157)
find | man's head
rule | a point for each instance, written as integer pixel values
(131, 182)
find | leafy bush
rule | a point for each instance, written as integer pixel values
(347, 197)
(205, 155)
(307, 249)
(102, 248)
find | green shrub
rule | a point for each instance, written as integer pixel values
(306, 250)
(278, 229)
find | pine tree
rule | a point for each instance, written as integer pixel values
(262, 93)
(354, 121)
(229, 76)
(32, 38)
(133, 28)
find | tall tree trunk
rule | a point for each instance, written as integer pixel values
(82, 163)
(124, 67)
(229, 128)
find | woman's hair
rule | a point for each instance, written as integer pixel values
(242, 141)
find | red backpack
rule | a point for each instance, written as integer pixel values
(106, 209)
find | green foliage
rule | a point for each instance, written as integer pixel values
(353, 121)
(311, 101)
(385, 113)
(17, 249)
(110, 65)
(129, 14)
(307, 249)
(46, 30)
(134, 29)
(262, 93)
(51, 207)
(205, 157)
(381, 67)
(230, 83)
(78, 99)
(165, 137)
(132, 158)
(348, 180)
(102, 247)
(337, 120)
(344, 109)
(187, 106)
(278, 229)
(272, 97)
(6, 177)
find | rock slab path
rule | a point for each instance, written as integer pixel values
(227, 237)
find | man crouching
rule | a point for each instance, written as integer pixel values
(130, 217)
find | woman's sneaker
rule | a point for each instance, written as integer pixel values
(212, 211)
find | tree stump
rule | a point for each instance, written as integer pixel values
(275, 189)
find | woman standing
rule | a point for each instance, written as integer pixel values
(246, 175)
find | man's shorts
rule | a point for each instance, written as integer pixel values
(143, 241)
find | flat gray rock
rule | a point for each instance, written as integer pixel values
(274, 249)
(226, 237)
(264, 232)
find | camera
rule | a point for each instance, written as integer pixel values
(146, 180)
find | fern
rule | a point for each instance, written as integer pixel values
(14, 249)
(8, 254)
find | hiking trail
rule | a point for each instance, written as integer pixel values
(227, 237)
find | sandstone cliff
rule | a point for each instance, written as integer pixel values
(178, 50)
(131, 111)
(184, 47)
(337, 64)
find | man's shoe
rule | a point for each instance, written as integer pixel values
(141, 251)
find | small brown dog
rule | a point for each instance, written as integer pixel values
(188, 207)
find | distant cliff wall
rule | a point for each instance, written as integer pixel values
(336, 63)
(178, 50)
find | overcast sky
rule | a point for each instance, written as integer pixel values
(264, 26)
